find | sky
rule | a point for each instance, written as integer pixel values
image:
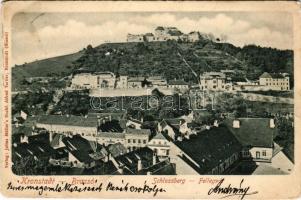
(37, 36)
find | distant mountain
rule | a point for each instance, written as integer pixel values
(163, 58)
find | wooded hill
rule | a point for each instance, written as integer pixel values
(162, 58)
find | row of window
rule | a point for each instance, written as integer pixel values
(139, 141)
(277, 84)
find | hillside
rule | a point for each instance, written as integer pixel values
(162, 58)
(52, 67)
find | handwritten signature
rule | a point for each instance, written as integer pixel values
(230, 190)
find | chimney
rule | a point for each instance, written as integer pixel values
(50, 136)
(179, 138)
(236, 123)
(148, 173)
(139, 167)
(154, 159)
(272, 123)
(110, 117)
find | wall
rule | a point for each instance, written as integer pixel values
(268, 157)
(162, 146)
(68, 128)
(275, 84)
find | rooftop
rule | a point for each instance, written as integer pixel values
(111, 126)
(70, 120)
(138, 131)
(254, 132)
(81, 148)
(177, 82)
(213, 75)
(209, 148)
(272, 75)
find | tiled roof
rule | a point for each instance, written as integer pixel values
(271, 75)
(159, 136)
(138, 131)
(130, 160)
(68, 120)
(37, 149)
(79, 147)
(209, 148)
(117, 149)
(110, 126)
(254, 132)
(111, 134)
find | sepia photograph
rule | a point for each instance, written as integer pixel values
(150, 100)
(152, 93)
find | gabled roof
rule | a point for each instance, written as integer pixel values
(255, 132)
(38, 149)
(271, 75)
(80, 148)
(159, 136)
(209, 148)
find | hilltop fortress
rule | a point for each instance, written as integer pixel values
(166, 33)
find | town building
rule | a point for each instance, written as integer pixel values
(93, 80)
(178, 84)
(175, 128)
(255, 135)
(212, 151)
(84, 153)
(136, 138)
(273, 81)
(68, 125)
(135, 82)
(160, 145)
(143, 161)
(122, 82)
(157, 81)
(215, 81)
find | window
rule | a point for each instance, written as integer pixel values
(167, 152)
(257, 154)
(144, 141)
(264, 153)
(134, 141)
(139, 141)
(129, 141)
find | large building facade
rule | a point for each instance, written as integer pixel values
(93, 80)
(214, 81)
(274, 81)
